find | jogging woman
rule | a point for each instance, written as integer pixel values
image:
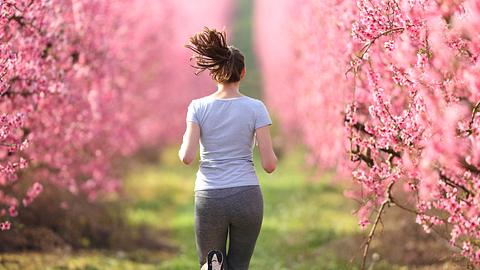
(226, 123)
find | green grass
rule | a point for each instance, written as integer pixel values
(307, 223)
(299, 215)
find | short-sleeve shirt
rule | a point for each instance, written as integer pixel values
(227, 129)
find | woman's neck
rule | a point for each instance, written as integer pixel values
(227, 90)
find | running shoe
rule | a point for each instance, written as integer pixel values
(215, 260)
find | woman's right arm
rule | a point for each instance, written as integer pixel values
(265, 147)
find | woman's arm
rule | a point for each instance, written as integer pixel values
(267, 156)
(189, 147)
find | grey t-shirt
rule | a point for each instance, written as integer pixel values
(227, 128)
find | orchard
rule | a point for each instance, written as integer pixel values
(384, 94)
(389, 93)
(80, 85)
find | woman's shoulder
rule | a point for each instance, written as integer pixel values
(210, 99)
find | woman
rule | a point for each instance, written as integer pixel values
(228, 198)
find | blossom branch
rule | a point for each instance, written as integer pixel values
(385, 202)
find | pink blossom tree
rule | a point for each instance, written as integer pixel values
(389, 92)
(275, 53)
(83, 83)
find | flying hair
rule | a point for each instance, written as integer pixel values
(212, 52)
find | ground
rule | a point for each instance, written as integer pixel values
(308, 224)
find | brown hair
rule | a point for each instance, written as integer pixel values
(224, 61)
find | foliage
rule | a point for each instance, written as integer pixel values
(389, 92)
(84, 83)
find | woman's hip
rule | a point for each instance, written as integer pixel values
(245, 202)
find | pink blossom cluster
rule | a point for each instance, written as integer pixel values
(389, 92)
(32, 193)
(84, 84)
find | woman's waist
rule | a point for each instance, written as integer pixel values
(224, 192)
(205, 162)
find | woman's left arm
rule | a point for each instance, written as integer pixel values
(189, 147)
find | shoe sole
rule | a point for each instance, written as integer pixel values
(210, 257)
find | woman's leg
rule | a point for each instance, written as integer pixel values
(246, 215)
(211, 227)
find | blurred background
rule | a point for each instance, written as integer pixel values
(114, 194)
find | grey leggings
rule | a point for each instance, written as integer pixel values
(237, 211)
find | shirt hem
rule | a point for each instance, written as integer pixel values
(227, 186)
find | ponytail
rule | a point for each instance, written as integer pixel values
(212, 52)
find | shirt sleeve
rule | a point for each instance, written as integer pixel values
(191, 113)
(262, 117)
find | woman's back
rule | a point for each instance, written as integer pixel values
(227, 128)
(228, 197)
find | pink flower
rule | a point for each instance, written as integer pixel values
(389, 45)
(32, 193)
(13, 211)
(363, 223)
(5, 225)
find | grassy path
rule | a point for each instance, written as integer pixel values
(299, 215)
(307, 224)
